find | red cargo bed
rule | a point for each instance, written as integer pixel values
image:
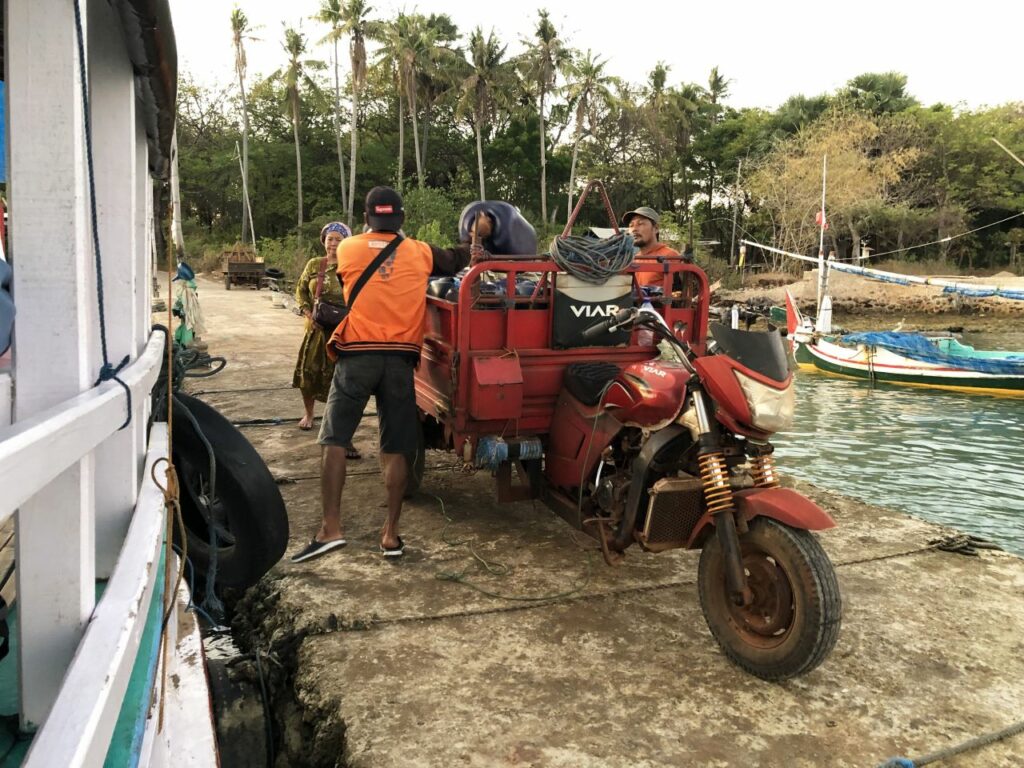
(489, 365)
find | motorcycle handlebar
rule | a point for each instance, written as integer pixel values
(598, 329)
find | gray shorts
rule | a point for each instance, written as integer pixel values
(389, 378)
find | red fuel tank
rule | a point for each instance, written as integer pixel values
(648, 394)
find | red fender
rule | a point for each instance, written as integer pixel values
(785, 505)
(782, 504)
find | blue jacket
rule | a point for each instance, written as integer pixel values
(6, 306)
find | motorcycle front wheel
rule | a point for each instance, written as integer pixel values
(792, 623)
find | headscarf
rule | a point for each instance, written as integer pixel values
(334, 226)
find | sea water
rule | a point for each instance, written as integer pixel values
(948, 457)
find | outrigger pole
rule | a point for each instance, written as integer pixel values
(1000, 145)
(948, 286)
(821, 241)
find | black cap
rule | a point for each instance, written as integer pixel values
(384, 211)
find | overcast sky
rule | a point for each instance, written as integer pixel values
(961, 53)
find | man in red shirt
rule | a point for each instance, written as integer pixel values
(643, 226)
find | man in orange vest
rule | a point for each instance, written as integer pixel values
(643, 226)
(377, 347)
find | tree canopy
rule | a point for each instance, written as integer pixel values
(465, 120)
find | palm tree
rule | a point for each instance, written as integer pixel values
(798, 111)
(443, 71)
(684, 105)
(542, 64)
(295, 77)
(586, 86)
(489, 81)
(408, 44)
(330, 14)
(359, 28)
(653, 113)
(718, 88)
(879, 92)
(239, 33)
(388, 57)
(415, 42)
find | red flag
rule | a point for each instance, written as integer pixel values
(819, 217)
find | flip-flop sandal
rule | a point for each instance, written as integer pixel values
(305, 429)
(352, 453)
(396, 551)
(316, 549)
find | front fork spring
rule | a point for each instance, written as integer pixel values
(715, 475)
(762, 468)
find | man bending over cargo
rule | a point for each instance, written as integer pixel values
(377, 347)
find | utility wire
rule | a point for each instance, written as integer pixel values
(941, 240)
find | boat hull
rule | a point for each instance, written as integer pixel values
(885, 366)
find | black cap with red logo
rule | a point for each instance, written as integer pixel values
(384, 211)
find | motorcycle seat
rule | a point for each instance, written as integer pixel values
(587, 381)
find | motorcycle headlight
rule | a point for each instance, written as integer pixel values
(771, 410)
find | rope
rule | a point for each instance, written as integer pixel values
(942, 240)
(290, 480)
(245, 389)
(266, 707)
(957, 749)
(215, 626)
(172, 502)
(108, 371)
(181, 361)
(593, 261)
(211, 603)
(960, 544)
(496, 569)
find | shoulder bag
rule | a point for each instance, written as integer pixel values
(328, 315)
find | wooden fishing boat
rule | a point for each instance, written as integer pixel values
(911, 359)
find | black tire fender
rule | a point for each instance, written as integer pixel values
(249, 502)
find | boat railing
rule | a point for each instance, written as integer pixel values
(85, 696)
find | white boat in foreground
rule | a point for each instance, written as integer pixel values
(102, 679)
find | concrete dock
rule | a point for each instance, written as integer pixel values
(502, 638)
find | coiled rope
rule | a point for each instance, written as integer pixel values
(593, 261)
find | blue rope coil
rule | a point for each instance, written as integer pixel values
(593, 261)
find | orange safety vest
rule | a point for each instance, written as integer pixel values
(651, 257)
(393, 302)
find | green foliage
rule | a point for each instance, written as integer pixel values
(286, 254)
(901, 174)
(431, 216)
(431, 233)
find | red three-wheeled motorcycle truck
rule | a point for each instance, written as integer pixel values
(559, 386)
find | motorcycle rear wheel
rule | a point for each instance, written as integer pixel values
(793, 622)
